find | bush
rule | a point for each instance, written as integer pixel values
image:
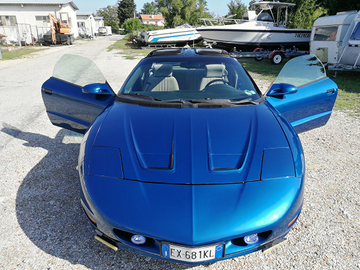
(131, 25)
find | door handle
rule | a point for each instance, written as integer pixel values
(47, 91)
(331, 91)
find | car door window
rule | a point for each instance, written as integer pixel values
(77, 70)
(301, 71)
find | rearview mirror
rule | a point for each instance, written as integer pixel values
(98, 89)
(280, 89)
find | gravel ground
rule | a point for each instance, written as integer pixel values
(42, 225)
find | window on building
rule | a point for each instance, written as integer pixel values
(8, 20)
(42, 21)
(81, 24)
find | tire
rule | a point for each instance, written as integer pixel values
(258, 58)
(277, 58)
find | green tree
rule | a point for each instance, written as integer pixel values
(149, 8)
(236, 8)
(126, 10)
(334, 6)
(131, 25)
(109, 14)
(305, 13)
(177, 12)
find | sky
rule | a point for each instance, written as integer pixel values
(215, 6)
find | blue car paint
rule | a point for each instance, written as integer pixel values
(225, 187)
(155, 142)
(237, 212)
(308, 108)
(69, 107)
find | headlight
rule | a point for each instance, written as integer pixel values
(277, 163)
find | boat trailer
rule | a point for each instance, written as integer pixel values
(275, 56)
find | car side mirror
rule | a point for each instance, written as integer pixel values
(98, 89)
(281, 89)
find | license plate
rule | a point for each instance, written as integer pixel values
(192, 254)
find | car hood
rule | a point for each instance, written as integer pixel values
(191, 145)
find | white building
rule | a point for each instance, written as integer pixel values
(87, 24)
(29, 20)
(99, 22)
(152, 19)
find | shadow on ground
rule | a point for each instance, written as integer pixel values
(49, 212)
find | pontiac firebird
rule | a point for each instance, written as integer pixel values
(190, 162)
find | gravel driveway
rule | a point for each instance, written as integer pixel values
(42, 225)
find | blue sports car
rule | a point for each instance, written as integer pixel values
(190, 162)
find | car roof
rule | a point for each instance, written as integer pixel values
(188, 52)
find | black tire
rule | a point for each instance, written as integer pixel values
(277, 58)
(259, 58)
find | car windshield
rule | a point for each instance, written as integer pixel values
(190, 78)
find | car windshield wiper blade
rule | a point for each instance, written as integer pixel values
(137, 95)
(179, 100)
(246, 101)
(225, 101)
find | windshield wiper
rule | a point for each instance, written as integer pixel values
(225, 101)
(137, 95)
(246, 101)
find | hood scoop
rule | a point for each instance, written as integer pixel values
(157, 152)
(228, 150)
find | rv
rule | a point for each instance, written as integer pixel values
(335, 40)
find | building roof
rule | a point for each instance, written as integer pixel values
(39, 2)
(151, 17)
(84, 13)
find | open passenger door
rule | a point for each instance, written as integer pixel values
(303, 93)
(76, 93)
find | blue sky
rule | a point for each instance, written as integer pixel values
(217, 7)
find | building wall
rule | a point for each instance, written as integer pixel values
(87, 24)
(155, 22)
(26, 14)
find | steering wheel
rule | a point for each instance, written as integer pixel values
(217, 80)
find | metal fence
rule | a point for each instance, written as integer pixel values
(23, 34)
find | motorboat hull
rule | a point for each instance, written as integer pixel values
(176, 36)
(232, 36)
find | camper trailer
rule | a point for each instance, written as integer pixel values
(335, 40)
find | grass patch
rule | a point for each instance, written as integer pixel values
(349, 91)
(19, 53)
(127, 48)
(264, 70)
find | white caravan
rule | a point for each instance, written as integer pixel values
(336, 40)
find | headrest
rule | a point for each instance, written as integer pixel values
(164, 70)
(215, 70)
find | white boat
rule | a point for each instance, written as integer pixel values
(257, 30)
(181, 35)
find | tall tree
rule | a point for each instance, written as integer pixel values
(177, 12)
(236, 8)
(109, 14)
(126, 10)
(305, 13)
(149, 8)
(334, 6)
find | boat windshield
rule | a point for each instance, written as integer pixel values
(189, 79)
(265, 17)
